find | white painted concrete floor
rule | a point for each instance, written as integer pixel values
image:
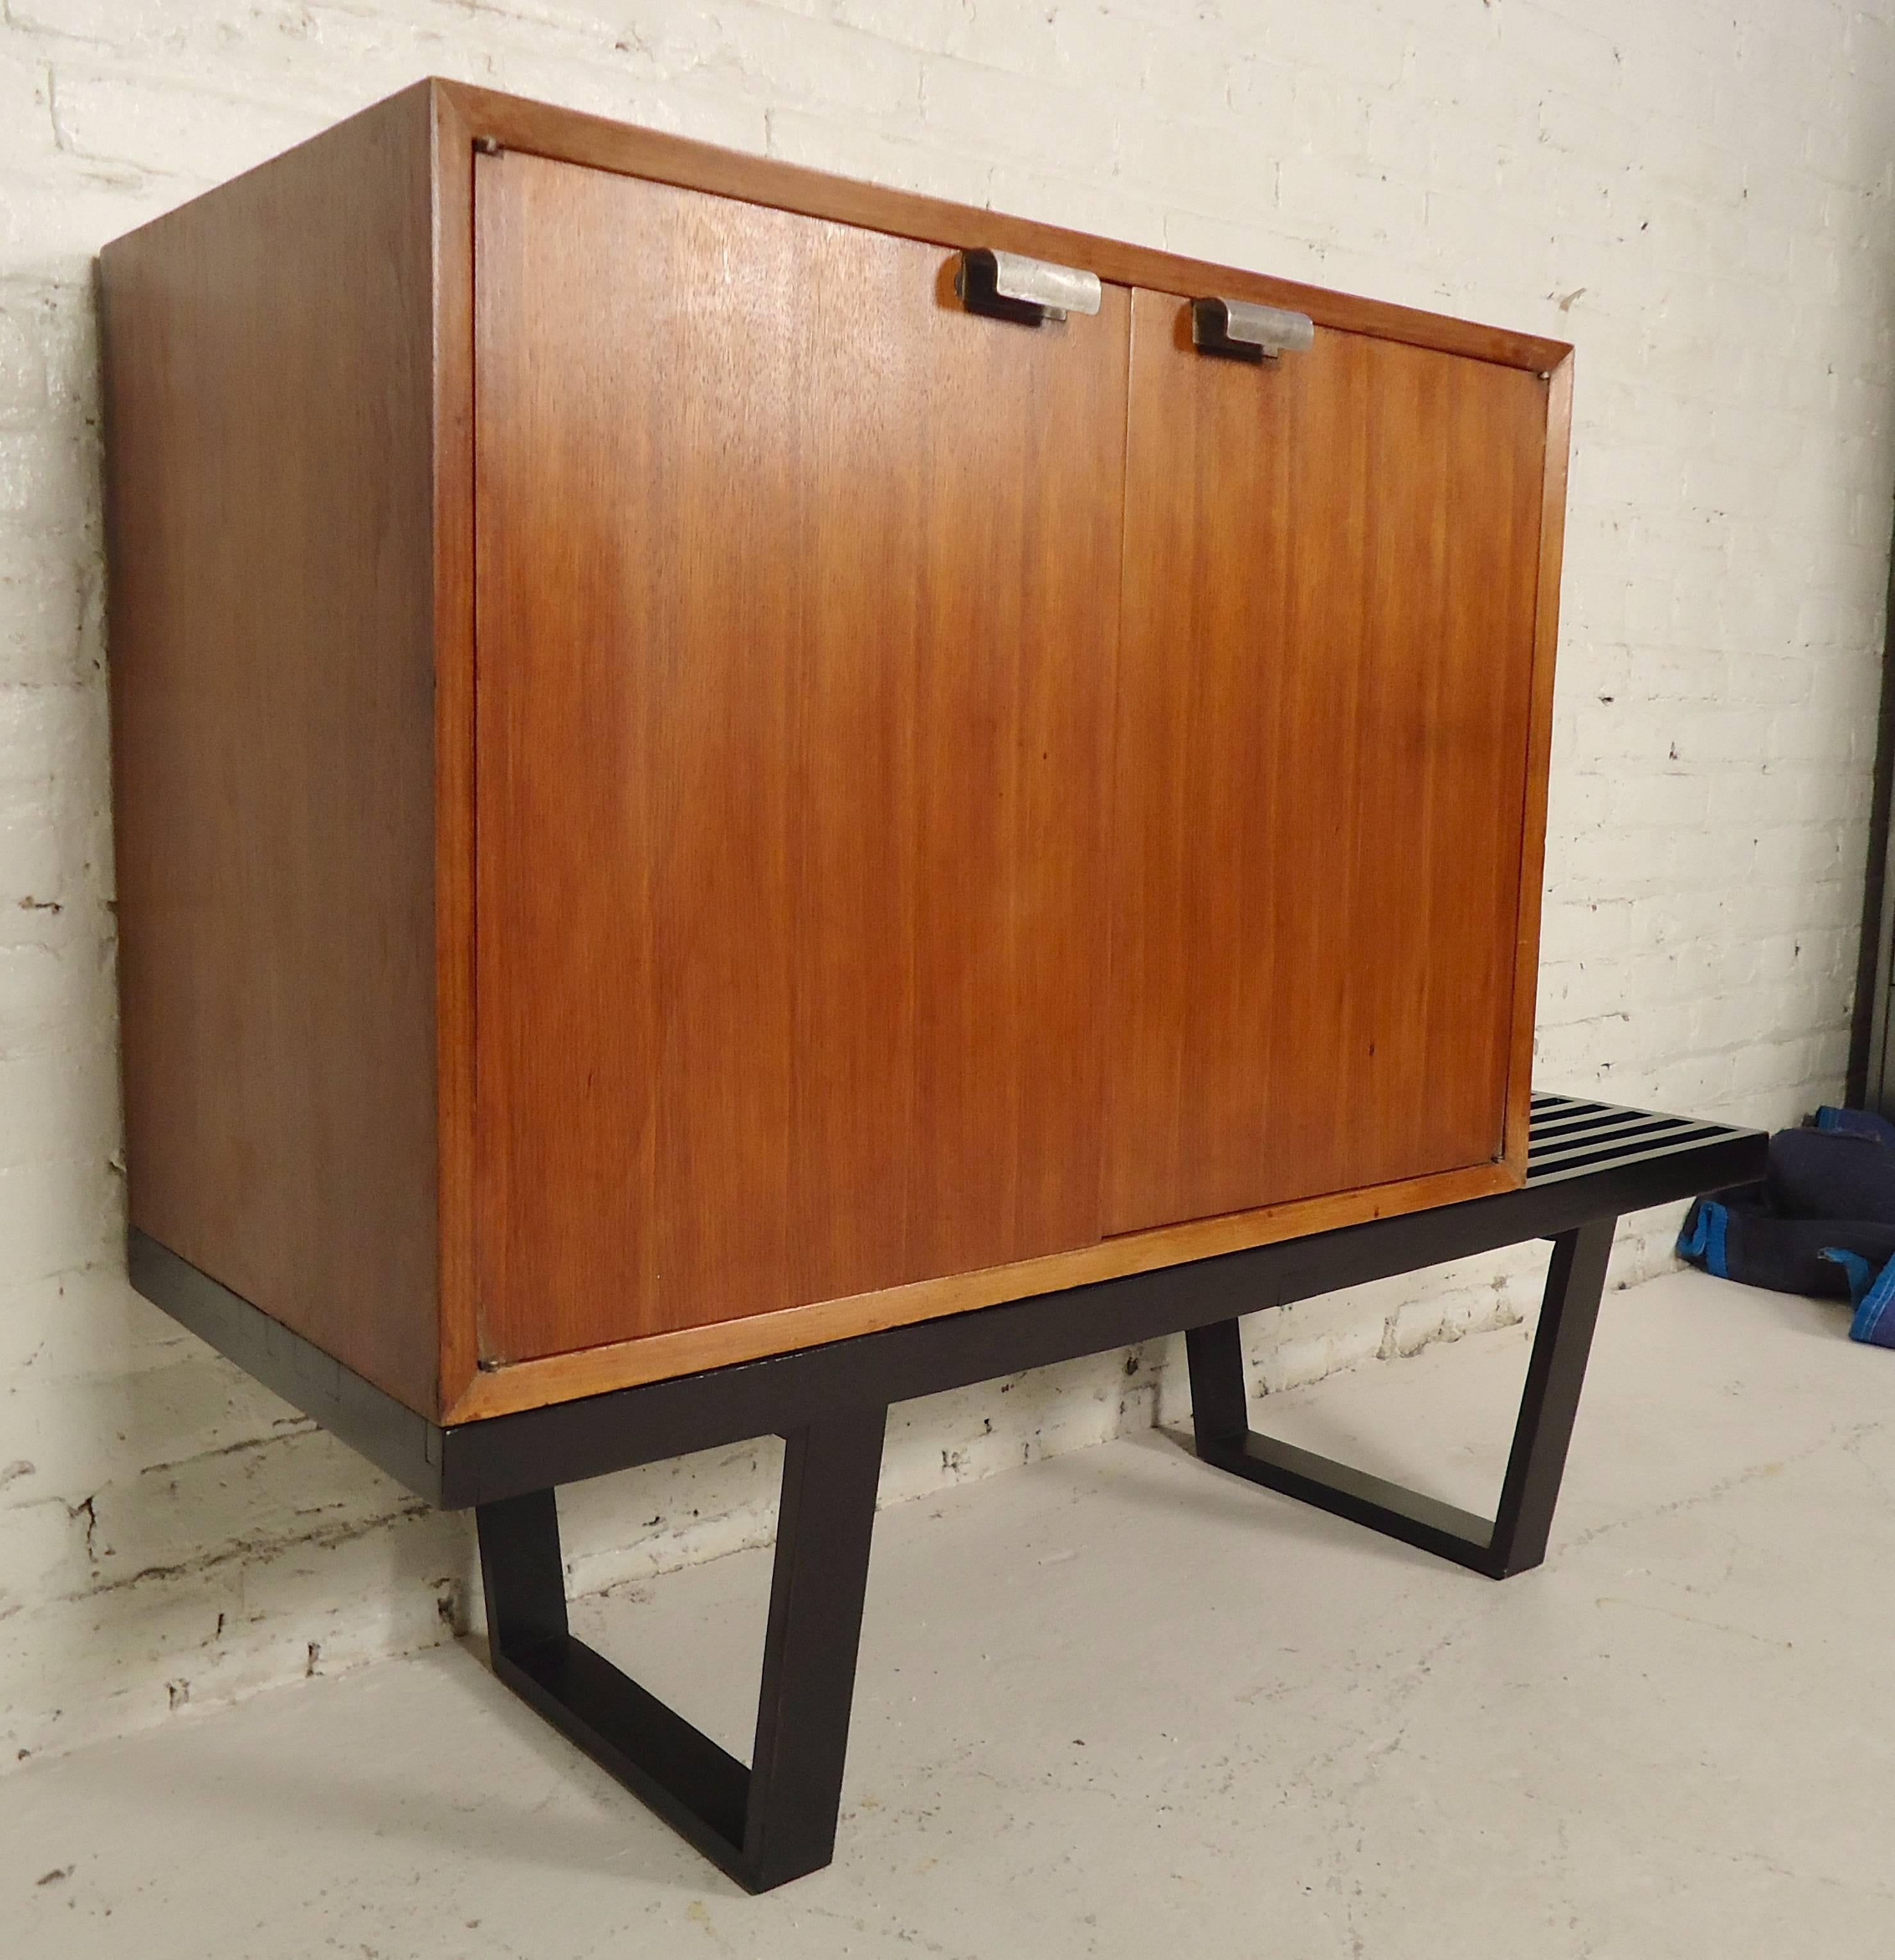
(1120, 1704)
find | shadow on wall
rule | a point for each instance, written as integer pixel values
(173, 1535)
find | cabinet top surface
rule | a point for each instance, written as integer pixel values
(461, 115)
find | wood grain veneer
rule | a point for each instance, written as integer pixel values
(592, 1371)
(1326, 675)
(797, 605)
(538, 128)
(450, 142)
(807, 922)
(1533, 849)
(267, 403)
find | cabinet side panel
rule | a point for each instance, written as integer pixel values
(1533, 849)
(267, 366)
(797, 612)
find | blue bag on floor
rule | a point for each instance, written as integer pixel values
(1821, 1222)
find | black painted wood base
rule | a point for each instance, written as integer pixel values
(1515, 1539)
(775, 1820)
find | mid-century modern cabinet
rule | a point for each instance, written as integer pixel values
(709, 757)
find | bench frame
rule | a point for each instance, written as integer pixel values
(1590, 1164)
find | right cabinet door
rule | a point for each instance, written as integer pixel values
(1324, 695)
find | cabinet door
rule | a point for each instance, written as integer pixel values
(797, 603)
(1325, 676)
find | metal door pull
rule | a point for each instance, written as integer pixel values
(1240, 330)
(1030, 291)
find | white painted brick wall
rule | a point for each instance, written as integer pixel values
(1699, 195)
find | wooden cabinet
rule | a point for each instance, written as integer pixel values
(683, 792)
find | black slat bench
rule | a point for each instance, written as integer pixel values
(774, 1820)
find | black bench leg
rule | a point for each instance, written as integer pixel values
(1513, 1540)
(776, 1820)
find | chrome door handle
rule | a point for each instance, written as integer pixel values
(1006, 286)
(1241, 330)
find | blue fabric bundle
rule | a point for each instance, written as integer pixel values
(1822, 1221)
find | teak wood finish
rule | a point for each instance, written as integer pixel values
(270, 539)
(797, 600)
(1326, 676)
(802, 980)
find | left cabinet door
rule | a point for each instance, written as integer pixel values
(797, 591)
